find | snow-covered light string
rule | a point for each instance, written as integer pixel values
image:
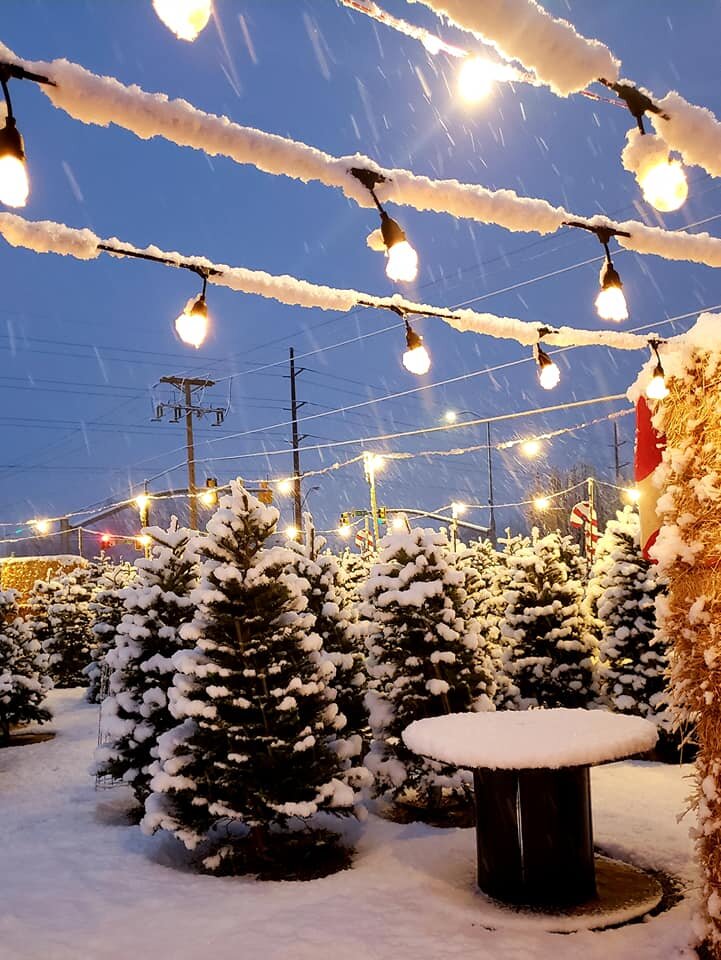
(104, 100)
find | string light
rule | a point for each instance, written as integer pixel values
(542, 503)
(344, 530)
(548, 373)
(292, 532)
(144, 541)
(14, 179)
(185, 18)
(192, 324)
(458, 509)
(664, 185)
(610, 302)
(531, 448)
(656, 388)
(284, 486)
(209, 496)
(416, 359)
(142, 502)
(633, 494)
(475, 79)
(42, 527)
(402, 259)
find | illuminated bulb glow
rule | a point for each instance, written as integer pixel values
(633, 494)
(548, 373)
(284, 487)
(42, 527)
(610, 302)
(475, 79)
(541, 503)
(14, 183)
(657, 389)
(186, 18)
(399, 522)
(376, 463)
(142, 502)
(344, 530)
(208, 498)
(402, 264)
(143, 540)
(530, 448)
(417, 360)
(664, 186)
(450, 416)
(458, 509)
(291, 532)
(192, 324)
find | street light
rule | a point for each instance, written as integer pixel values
(451, 416)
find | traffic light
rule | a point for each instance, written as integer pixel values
(382, 514)
(265, 494)
(106, 540)
(344, 520)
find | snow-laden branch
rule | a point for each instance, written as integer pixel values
(48, 237)
(522, 30)
(104, 100)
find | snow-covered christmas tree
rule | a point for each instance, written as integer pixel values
(242, 777)
(552, 648)
(623, 589)
(156, 605)
(423, 642)
(354, 570)
(24, 681)
(107, 607)
(61, 607)
(335, 623)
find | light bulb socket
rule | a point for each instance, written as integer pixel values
(200, 307)
(610, 277)
(658, 372)
(542, 357)
(413, 340)
(11, 141)
(391, 231)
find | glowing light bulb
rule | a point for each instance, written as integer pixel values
(531, 448)
(633, 494)
(402, 264)
(14, 182)
(208, 498)
(344, 530)
(657, 389)
(541, 503)
(186, 18)
(144, 540)
(664, 186)
(377, 463)
(192, 324)
(548, 373)
(41, 526)
(417, 360)
(458, 509)
(399, 522)
(291, 532)
(284, 486)
(475, 79)
(142, 502)
(610, 302)
(450, 416)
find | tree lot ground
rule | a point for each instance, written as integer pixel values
(79, 880)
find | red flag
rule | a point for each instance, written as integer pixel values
(649, 450)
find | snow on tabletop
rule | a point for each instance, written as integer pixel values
(530, 739)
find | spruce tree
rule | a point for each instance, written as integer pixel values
(69, 619)
(423, 642)
(23, 670)
(250, 761)
(552, 650)
(625, 586)
(156, 605)
(107, 608)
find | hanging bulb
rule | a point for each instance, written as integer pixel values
(610, 302)
(475, 79)
(548, 373)
(657, 389)
(186, 18)
(402, 262)
(284, 486)
(14, 182)
(192, 324)
(664, 185)
(531, 448)
(541, 503)
(416, 359)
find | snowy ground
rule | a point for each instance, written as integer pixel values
(76, 881)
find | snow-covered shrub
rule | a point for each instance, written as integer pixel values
(107, 607)
(156, 605)
(353, 573)
(423, 643)
(250, 761)
(60, 610)
(553, 653)
(24, 681)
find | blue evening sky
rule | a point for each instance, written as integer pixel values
(83, 343)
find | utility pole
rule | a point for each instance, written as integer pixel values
(492, 516)
(589, 523)
(617, 444)
(185, 406)
(296, 438)
(370, 464)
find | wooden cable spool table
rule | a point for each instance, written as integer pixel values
(534, 829)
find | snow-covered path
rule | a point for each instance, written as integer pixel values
(78, 883)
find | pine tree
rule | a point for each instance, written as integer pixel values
(342, 642)
(423, 643)
(155, 606)
(250, 760)
(624, 586)
(354, 570)
(68, 619)
(23, 670)
(553, 651)
(107, 608)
